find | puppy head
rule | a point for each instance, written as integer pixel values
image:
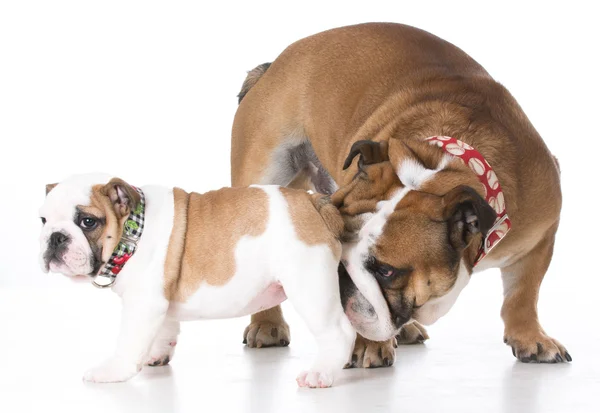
(82, 222)
(413, 249)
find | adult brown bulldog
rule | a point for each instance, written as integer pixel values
(356, 108)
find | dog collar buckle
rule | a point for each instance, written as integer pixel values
(111, 281)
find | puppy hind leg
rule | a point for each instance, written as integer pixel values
(285, 166)
(314, 293)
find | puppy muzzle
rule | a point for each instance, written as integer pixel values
(65, 252)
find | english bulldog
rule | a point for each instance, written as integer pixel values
(442, 175)
(175, 256)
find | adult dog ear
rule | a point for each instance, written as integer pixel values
(467, 215)
(50, 187)
(370, 153)
(123, 196)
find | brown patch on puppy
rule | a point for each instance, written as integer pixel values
(330, 214)
(216, 221)
(176, 242)
(123, 196)
(316, 221)
(96, 236)
(110, 206)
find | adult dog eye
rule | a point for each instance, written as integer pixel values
(384, 271)
(88, 223)
(43, 220)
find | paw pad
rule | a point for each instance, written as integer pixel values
(159, 362)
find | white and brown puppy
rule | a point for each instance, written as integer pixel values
(424, 213)
(181, 256)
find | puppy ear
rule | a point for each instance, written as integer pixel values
(362, 194)
(370, 153)
(123, 196)
(467, 214)
(50, 187)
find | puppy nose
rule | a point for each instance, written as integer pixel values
(57, 239)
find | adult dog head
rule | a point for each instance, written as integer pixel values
(412, 242)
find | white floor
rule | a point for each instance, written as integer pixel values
(464, 367)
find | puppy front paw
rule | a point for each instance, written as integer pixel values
(113, 370)
(161, 354)
(315, 379)
(536, 347)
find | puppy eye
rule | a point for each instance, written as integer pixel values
(43, 220)
(88, 223)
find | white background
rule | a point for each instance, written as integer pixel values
(147, 91)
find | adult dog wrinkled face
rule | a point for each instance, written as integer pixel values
(409, 252)
(79, 235)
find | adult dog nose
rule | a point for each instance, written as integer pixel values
(57, 239)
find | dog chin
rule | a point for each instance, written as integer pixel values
(80, 279)
(61, 268)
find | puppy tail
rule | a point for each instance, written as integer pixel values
(253, 77)
(330, 214)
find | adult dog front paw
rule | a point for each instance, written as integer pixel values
(412, 333)
(113, 370)
(371, 354)
(536, 347)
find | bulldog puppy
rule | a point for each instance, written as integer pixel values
(174, 256)
(442, 175)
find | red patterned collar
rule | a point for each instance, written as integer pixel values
(491, 187)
